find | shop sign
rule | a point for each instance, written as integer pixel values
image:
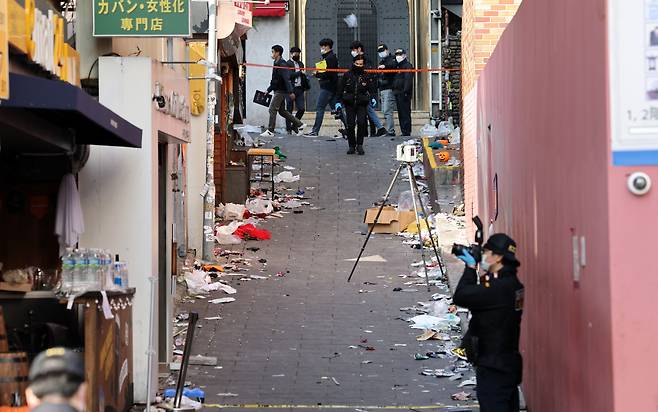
(4, 51)
(141, 18)
(171, 103)
(243, 13)
(197, 86)
(40, 35)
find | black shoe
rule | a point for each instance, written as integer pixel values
(381, 132)
(373, 131)
(351, 150)
(392, 134)
(359, 150)
(343, 133)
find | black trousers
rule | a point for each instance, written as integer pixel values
(497, 390)
(357, 115)
(403, 103)
(299, 103)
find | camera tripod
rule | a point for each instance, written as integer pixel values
(417, 201)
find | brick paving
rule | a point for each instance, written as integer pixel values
(285, 338)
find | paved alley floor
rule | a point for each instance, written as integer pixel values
(286, 340)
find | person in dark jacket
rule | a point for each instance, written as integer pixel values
(328, 83)
(386, 82)
(57, 382)
(356, 91)
(300, 85)
(376, 128)
(403, 88)
(282, 87)
(492, 339)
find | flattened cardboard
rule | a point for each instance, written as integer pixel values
(390, 221)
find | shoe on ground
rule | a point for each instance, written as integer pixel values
(460, 353)
(351, 150)
(300, 130)
(343, 133)
(381, 132)
(310, 134)
(392, 134)
(267, 133)
(359, 150)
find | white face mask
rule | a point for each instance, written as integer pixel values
(399, 58)
(355, 53)
(484, 264)
(383, 54)
(322, 51)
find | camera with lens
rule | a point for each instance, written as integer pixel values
(475, 249)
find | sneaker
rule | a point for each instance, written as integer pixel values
(267, 133)
(460, 353)
(310, 134)
(359, 150)
(392, 134)
(381, 132)
(351, 150)
(343, 133)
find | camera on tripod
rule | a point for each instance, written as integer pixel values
(407, 153)
(475, 249)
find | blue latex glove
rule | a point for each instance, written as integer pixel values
(338, 106)
(467, 258)
(373, 103)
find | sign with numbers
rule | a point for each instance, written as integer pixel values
(633, 64)
(141, 18)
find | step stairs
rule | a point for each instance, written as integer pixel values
(330, 125)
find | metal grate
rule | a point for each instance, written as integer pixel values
(365, 32)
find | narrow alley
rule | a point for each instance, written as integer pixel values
(309, 337)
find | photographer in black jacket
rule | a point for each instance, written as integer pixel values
(356, 91)
(492, 339)
(282, 87)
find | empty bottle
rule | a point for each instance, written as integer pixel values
(68, 264)
(94, 270)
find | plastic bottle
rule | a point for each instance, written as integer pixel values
(116, 271)
(79, 271)
(68, 264)
(94, 270)
(124, 275)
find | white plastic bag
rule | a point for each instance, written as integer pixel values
(233, 211)
(224, 234)
(259, 206)
(455, 136)
(445, 128)
(286, 177)
(428, 130)
(196, 282)
(405, 201)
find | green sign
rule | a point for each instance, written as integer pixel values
(137, 18)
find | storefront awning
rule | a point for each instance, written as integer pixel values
(276, 8)
(65, 105)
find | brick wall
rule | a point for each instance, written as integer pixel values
(483, 23)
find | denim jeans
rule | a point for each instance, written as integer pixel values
(372, 115)
(324, 98)
(388, 107)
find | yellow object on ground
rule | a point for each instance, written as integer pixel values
(413, 227)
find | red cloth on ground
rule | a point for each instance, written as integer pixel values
(250, 232)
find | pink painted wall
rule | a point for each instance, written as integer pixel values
(544, 94)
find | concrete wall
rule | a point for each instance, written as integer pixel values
(266, 32)
(587, 345)
(196, 178)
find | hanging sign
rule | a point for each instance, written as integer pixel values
(633, 67)
(141, 18)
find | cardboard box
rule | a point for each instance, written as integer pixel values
(390, 221)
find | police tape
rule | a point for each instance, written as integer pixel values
(461, 408)
(311, 69)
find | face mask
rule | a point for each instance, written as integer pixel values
(383, 54)
(484, 264)
(295, 58)
(358, 69)
(399, 58)
(355, 53)
(322, 51)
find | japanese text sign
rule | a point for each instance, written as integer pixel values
(138, 18)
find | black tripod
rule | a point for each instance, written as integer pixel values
(415, 196)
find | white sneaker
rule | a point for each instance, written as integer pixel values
(300, 129)
(267, 133)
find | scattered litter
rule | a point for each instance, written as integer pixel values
(214, 318)
(227, 394)
(456, 377)
(366, 362)
(335, 381)
(373, 258)
(461, 396)
(278, 376)
(469, 382)
(222, 300)
(258, 277)
(420, 356)
(203, 360)
(286, 177)
(350, 200)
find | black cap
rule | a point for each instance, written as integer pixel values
(400, 51)
(57, 361)
(381, 48)
(295, 49)
(503, 245)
